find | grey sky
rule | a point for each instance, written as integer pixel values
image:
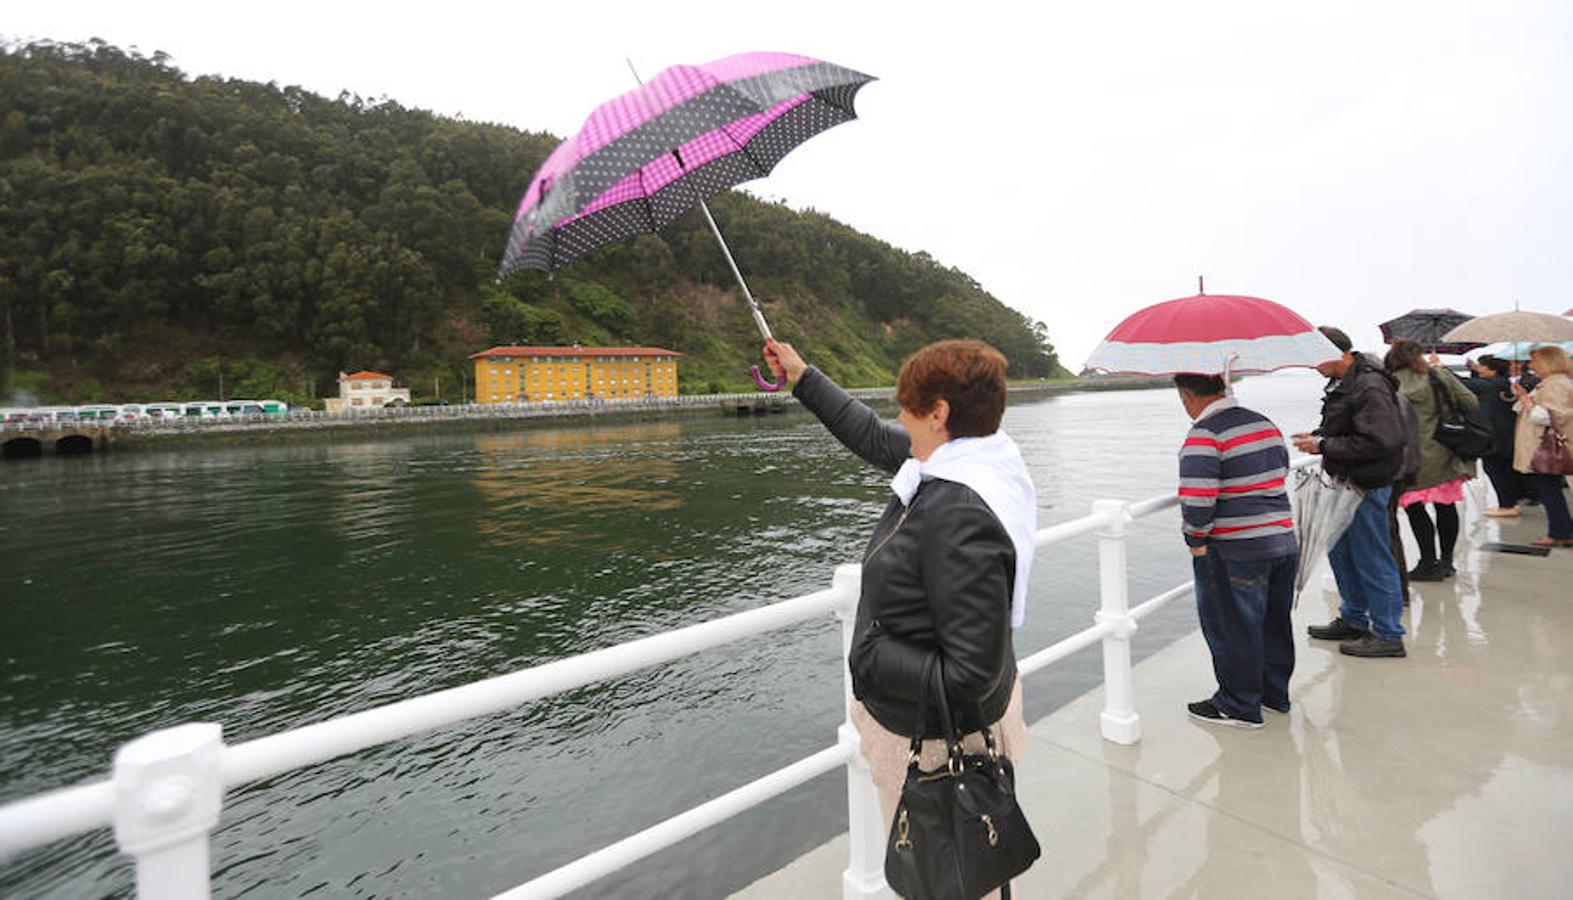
(1352, 160)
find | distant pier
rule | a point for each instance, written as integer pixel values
(34, 439)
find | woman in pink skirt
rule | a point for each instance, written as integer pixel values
(1440, 481)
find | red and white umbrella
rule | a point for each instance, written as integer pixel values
(1211, 334)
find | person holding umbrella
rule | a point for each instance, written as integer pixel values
(1361, 440)
(1429, 387)
(945, 570)
(1549, 405)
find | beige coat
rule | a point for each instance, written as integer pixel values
(1556, 395)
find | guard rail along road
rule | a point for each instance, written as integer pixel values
(166, 789)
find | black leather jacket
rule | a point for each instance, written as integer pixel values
(937, 574)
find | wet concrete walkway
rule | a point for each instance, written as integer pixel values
(1445, 774)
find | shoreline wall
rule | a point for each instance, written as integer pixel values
(489, 417)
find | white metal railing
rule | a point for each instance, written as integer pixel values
(166, 789)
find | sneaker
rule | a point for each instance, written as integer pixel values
(1276, 708)
(1336, 630)
(1447, 569)
(1427, 570)
(1206, 712)
(1370, 645)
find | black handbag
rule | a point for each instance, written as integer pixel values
(1465, 438)
(958, 831)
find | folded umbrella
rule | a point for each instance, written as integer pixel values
(1323, 509)
(1426, 327)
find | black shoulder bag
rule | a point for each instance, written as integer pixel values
(958, 831)
(1468, 440)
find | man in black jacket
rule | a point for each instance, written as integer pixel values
(1361, 440)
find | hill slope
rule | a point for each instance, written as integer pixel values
(158, 232)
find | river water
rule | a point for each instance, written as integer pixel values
(269, 587)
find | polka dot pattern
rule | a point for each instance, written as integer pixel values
(645, 172)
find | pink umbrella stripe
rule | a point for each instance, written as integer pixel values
(733, 87)
(706, 148)
(677, 172)
(670, 89)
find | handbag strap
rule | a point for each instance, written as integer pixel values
(1444, 398)
(934, 679)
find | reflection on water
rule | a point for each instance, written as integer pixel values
(559, 485)
(266, 588)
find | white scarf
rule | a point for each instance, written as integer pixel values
(992, 467)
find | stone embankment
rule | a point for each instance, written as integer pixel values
(496, 416)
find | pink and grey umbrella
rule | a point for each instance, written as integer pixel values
(644, 158)
(1211, 334)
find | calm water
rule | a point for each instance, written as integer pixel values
(271, 587)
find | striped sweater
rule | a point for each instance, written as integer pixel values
(1232, 493)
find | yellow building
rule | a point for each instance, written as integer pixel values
(551, 374)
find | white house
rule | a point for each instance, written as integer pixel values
(363, 390)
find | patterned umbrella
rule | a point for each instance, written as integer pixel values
(1426, 327)
(1211, 334)
(646, 157)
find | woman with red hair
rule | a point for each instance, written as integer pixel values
(945, 571)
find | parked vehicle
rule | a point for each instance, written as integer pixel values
(205, 409)
(131, 412)
(165, 410)
(275, 407)
(243, 408)
(98, 412)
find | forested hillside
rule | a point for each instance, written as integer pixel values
(158, 230)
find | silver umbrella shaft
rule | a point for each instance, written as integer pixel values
(753, 307)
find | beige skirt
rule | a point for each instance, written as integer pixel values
(886, 751)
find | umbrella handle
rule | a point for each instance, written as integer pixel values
(764, 385)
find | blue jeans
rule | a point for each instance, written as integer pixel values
(1548, 490)
(1367, 576)
(1244, 609)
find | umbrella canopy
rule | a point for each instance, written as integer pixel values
(1526, 327)
(1426, 327)
(646, 157)
(1323, 509)
(1518, 352)
(1209, 334)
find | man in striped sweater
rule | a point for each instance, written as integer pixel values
(1239, 527)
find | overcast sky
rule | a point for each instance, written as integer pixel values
(1352, 160)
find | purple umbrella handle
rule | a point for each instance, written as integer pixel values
(764, 385)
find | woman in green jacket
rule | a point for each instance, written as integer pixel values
(1440, 481)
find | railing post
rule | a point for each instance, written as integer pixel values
(169, 788)
(1119, 721)
(865, 873)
